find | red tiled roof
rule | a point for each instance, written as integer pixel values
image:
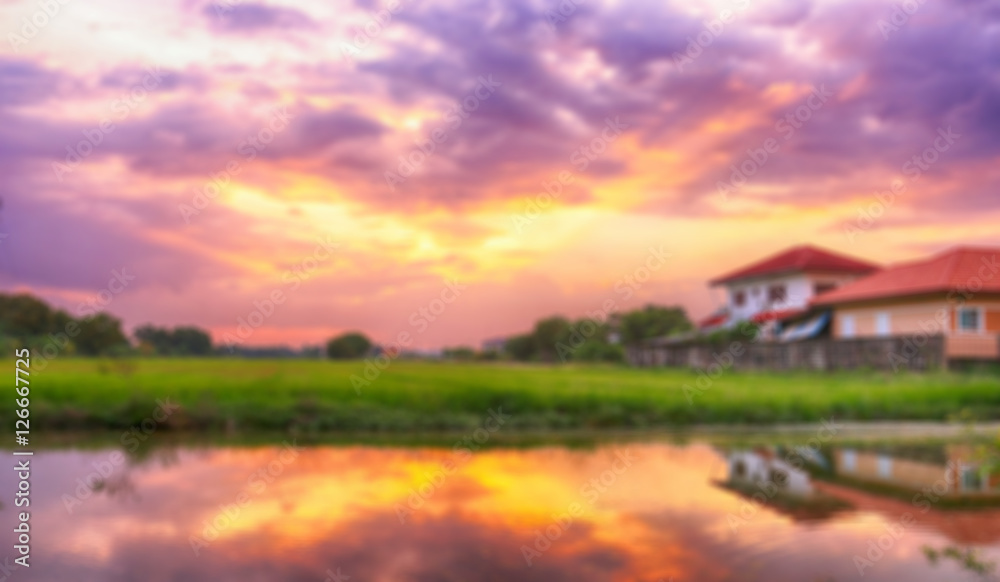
(776, 315)
(799, 259)
(713, 320)
(964, 268)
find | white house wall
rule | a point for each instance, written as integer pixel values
(758, 470)
(799, 290)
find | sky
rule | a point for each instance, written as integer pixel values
(458, 170)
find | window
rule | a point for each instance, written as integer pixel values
(850, 460)
(847, 325)
(972, 479)
(968, 319)
(885, 466)
(776, 293)
(739, 298)
(883, 324)
(821, 288)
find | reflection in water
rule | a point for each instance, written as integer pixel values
(968, 558)
(948, 471)
(385, 514)
(915, 485)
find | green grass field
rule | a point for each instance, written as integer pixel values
(317, 396)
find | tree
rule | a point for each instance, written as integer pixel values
(557, 339)
(23, 316)
(653, 321)
(31, 322)
(100, 334)
(152, 338)
(521, 347)
(744, 332)
(181, 341)
(548, 334)
(191, 341)
(348, 346)
(597, 350)
(463, 353)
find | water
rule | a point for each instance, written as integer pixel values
(622, 511)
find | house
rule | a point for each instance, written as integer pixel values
(782, 285)
(763, 465)
(934, 484)
(955, 293)
(956, 471)
(921, 315)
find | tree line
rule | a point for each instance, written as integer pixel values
(559, 339)
(26, 321)
(29, 322)
(552, 339)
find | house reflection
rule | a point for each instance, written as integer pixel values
(953, 470)
(765, 465)
(947, 470)
(776, 476)
(951, 489)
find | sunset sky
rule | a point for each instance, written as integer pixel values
(205, 156)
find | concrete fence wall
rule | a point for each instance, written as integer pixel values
(910, 352)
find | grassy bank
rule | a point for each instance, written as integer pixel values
(317, 396)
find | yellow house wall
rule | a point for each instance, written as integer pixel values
(904, 471)
(928, 315)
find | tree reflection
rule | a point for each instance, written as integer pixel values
(969, 559)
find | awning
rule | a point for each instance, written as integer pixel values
(807, 329)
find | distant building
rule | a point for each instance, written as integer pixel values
(782, 286)
(955, 293)
(494, 344)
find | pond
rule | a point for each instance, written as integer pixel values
(655, 510)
